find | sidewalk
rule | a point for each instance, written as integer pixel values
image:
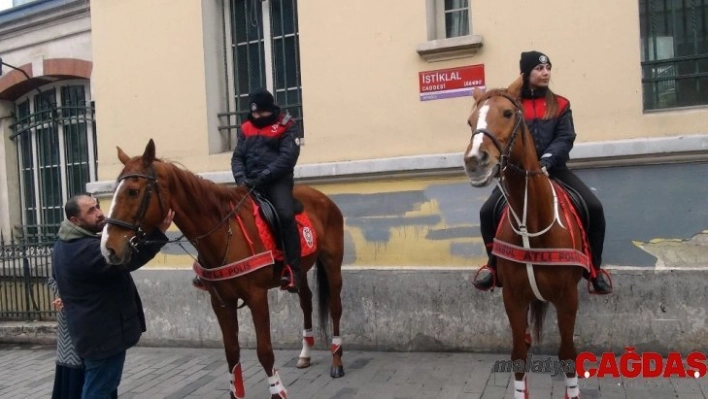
(175, 373)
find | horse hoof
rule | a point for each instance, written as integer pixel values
(303, 362)
(337, 371)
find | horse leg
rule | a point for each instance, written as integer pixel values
(334, 281)
(567, 311)
(228, 321)
(517, 313)
(308, 340)
(258, 303)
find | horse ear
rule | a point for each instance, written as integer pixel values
(149, 154)
(122, 156)
(477, 93)
(515, 87)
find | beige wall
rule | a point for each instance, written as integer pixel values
(374, 69)
(149, 79)
(360, 76)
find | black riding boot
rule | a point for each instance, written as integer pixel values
(600, 283)
(197, 283)
(486, 276)
(291, 246)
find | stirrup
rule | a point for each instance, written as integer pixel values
(288, 280)
(591, 289)
(494, 278)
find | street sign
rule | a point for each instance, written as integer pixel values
(452, 82)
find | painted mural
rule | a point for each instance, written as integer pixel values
(656, 218)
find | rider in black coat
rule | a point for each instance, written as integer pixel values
(550, 121)
(267, 149)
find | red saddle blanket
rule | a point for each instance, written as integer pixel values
(550, 256)
(308, 237)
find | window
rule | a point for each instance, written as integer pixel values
(56, 152)
(452, 18)
(265, 44)
(449, 31)
(674, 51)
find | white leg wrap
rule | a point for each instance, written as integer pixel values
(276, 386)
(336, 344)
(308, 341)
(520, 389)
(572, 388)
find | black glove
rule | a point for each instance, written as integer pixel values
(240, 180)
(262, 178)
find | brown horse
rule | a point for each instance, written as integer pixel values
(219, 222)
(537, 228)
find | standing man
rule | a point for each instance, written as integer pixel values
(103, 309)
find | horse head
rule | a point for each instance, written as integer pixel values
(140, 202)
(496, 120)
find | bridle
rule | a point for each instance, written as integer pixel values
(504, 163)
(137, 225)
(506, 152)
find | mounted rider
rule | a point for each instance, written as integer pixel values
(264, 159)
(550, 121)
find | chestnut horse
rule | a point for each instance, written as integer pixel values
(219, 222)
(536, 226)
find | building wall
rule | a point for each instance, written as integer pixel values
(360, 77)
(55, 35)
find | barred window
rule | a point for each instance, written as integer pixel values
(674, 51)
(56, 143)
(265, 54)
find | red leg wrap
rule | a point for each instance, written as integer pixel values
(237, 383)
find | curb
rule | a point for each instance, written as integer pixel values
(37, 333)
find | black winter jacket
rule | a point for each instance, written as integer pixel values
(554, 137)
(104, 312)
(271, 150)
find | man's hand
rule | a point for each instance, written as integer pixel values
(58, 304)
(167, 221)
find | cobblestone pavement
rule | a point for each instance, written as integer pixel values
(174, 373)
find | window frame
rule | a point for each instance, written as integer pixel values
(57, 125)
(661, 77)
(440, 48)
(269, 43)
(440, 24)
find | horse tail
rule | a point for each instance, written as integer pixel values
(538, 314)
(323, 295)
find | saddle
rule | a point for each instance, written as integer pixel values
(578, 203)
(267, 211)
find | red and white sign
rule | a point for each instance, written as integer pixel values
(452, 82)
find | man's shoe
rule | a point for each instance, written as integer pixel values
(485, 278)
(197, 283)
(600, 284)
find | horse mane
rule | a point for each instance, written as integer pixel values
(213, 199)
(495, 92)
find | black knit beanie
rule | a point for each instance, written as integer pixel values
(529, 61)
(261, 100)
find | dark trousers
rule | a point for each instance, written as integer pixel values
(280, 194)
(102, 377)
(596, 230)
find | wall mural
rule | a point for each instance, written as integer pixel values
(656, 217)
